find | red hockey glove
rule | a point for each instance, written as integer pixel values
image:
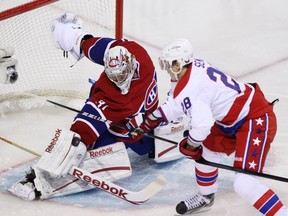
(194, 152)
(138, 126)
(150, 122)
(134, 125)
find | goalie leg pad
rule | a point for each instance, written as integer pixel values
(110, 162)
(64, 151)
(165, 151)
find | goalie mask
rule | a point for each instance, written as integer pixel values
(178, 52)
(119, 67)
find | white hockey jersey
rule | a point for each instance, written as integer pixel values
(206, 95)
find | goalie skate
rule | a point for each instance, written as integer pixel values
(196, 204)
(25, 188)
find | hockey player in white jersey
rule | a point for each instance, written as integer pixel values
(8, 65)
(226, 116)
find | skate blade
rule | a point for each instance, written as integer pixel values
(198, 211)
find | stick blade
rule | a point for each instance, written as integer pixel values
(155, 186)
(148, 192)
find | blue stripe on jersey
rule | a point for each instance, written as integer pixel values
(96, 52)
(269, 204)
(98, 125)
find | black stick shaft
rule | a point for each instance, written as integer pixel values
(98, 118)
(235, 169)
(201, 160)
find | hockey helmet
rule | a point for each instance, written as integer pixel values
(179, 50)
(119, 67)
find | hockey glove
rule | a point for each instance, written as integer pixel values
(142, 124)
(67, 34)
(150, 122)
(189, 150)
(132, 125)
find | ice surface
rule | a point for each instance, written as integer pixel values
(247, 39)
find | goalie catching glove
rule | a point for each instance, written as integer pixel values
(189, 148)
(68, 34)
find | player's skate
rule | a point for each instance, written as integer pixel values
(25, 188)
(196, 204)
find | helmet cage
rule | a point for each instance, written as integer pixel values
(119, 67)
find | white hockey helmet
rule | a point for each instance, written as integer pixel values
(120, 66)
(179, 50)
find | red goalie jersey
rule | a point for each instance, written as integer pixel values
(106, 100)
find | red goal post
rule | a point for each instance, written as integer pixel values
(25, 25)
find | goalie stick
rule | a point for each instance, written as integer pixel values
(138, 197)
(135, 197)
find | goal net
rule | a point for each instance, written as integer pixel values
(43, 71)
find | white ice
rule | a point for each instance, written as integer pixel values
(247, 39)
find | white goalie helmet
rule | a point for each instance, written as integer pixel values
(119, 67)
(179, 50)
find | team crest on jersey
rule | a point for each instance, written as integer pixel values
(151, 95)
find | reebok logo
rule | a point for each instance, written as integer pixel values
(100, 184)
(53, 141)
(97, 153)
(177, 129)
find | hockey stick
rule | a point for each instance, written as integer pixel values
(137, 197)
(201, 160)
(98, 118)
(235, 169)
(19, 146)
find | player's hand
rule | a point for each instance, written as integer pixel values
(141, 124)
(133, 129)
(185, 148)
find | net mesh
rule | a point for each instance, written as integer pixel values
(42, 69)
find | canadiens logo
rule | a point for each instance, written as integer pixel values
(151, 95)
(114, 62)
